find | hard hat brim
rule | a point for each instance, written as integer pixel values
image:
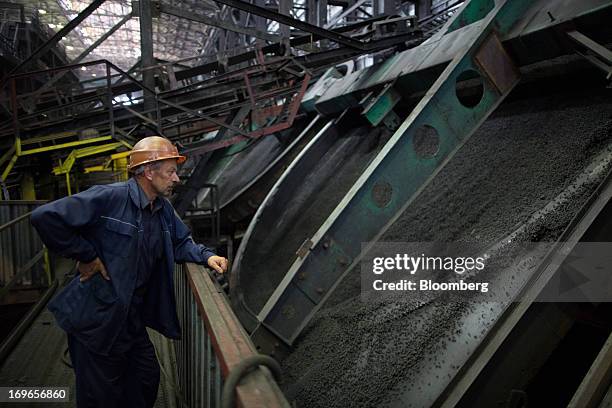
(152, 149)
(179, 160)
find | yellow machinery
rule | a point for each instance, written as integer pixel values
(118, 161)
(66, 165)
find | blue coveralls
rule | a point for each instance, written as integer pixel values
(114, 359)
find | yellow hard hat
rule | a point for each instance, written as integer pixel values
(153, 148)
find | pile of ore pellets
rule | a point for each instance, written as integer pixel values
(528, 154)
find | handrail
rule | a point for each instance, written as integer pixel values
(14, 221)
(21, 272)
(229, 341)
(31, 256)
(17, 333)
(80, 64)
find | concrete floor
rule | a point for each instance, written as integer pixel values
(37, 360)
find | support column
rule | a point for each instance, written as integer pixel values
(389, 7)
(261, 23)
(322, 5)
(351, 15)
(146, 53)
(423, 8)
(284, 7)
(383, 7)
(322, 12)
(120, 168)
(312, 16)
(27, 187)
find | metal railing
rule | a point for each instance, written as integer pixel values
(440, 14)
(55, 102)
(8, 46)
(24, 261)
(57, 105)
(207, 213)
(213, 345)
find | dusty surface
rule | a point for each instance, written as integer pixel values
(527, 155)
(319, 192)
(235, 166)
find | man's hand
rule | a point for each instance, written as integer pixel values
(218, 263)
(87, 270)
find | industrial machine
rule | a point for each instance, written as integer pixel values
(486, 122)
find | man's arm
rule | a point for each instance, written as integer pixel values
(186, 250)
(58, 223)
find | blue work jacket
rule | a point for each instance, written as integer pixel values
(105, 221)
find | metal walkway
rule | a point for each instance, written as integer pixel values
(37, 357)
(40, 357)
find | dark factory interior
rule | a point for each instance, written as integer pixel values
(306, 203)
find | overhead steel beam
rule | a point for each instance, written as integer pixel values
(82, 55)
(130, 71)
(232, 60)
(215, 22)
(121, 89)
(292, 108)
(292, 22)
(342, 52)
(43, 49)
(100, 40)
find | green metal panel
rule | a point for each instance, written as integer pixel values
(471, 12)
(381, 105)
(396, 176)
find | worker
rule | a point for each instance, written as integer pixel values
(126, 238)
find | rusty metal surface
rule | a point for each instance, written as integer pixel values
(245, 201)
(225, 345)
(493, 59)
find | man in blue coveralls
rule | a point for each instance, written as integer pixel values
(126, 238)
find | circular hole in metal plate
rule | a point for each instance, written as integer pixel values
(469, 88)
(382, 193)
(426, 141)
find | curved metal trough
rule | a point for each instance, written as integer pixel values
(298, 203)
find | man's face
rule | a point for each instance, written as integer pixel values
(165, 178)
